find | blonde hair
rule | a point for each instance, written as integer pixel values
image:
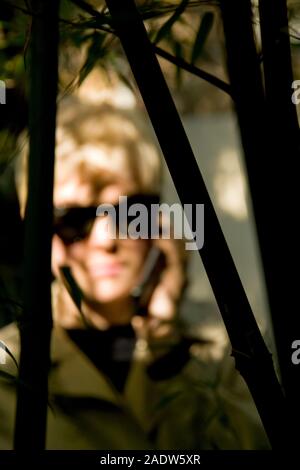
(98, 143)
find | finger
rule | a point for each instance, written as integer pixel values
(162, 306)
(173, 277)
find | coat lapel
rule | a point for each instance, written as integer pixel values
(73, 374)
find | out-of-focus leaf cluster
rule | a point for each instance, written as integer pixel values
(14, 29)
(88, 40)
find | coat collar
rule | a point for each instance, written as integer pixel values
(72, 374)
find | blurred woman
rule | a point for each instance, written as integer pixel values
(120, 380)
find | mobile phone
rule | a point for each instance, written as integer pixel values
(74, 292)
(142, 292)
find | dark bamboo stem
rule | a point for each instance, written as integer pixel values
(36, 322)
(252, 357)
(269, 130)
(284, 136)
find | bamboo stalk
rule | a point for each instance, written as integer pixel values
(269, 132)
(36, 322)
(252, 358)
(283, 134)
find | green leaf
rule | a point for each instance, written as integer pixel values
(77, 37)
(85, 6)
(96, 52)
(178, 52)
(167, 399)
(7, 376)
(166, 27)
(5, 348)
(125, 80)
(205, 26)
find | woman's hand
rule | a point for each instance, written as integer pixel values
(163, 305)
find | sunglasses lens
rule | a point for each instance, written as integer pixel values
(73, 224)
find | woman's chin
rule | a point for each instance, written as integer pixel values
(110, 291)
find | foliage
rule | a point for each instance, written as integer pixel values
(178, 29)
(87, 30)
(88, 38)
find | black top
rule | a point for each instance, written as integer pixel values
(110, 350)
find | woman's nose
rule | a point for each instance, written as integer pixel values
(103, 233)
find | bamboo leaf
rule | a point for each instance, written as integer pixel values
(166, 27)
(5, 348)
(7, 376)
(205, 26)
(125, 80)
(96, 52)
(85, 6)
(167, 399)
(152, 10)
(179, 54)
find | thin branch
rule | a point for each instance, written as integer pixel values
(81, 25)
(17, 7)
(179, 62)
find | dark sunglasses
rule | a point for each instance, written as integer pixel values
(73, 224)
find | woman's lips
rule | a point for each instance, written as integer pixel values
(105, 269)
